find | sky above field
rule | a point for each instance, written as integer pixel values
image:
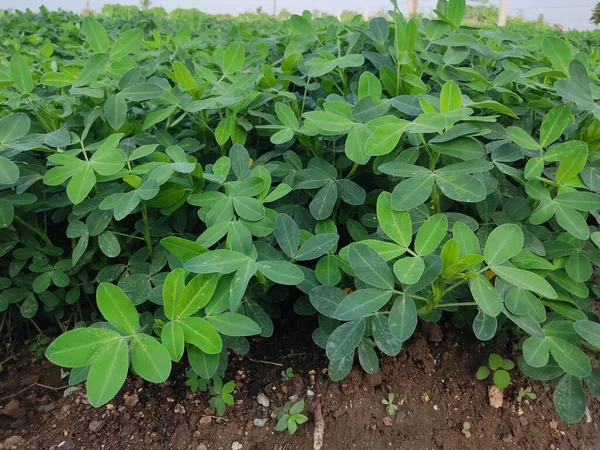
(570, 13)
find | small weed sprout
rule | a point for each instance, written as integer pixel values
(290, 416)
(499, 367)
(390, 406)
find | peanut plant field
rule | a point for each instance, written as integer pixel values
(180, 192)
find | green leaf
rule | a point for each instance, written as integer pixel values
(92, 69)
(344, 339)
(204, 364)
(81, 183)
(117, 308)
(115, 110)
(171, 291)
(173, 340)
(485, 295)
(286, 115)
(455, 12)
(233, 58)
(20, 74)
(127, 42)
(558, 52)
(183, 77)
(578, 267)
(287, 234)
(484, 326)
(396, 224)
(520, 137)
(356, 142)
(81, 346)
(367, 357)
(382, 335)
(411, 193)
(461, 187)
(329, 122)
(182, 248)
(569, 357)
(317, 246)
(109, 244)
(464, 148)
(202, 334)
(370, 267)
(95, 35)
(108, 373)
(12, 127)
(7, 212)
(536, 351)
(569, 399)
(385, 138)
(430, 234)
(409, 270)
(526, 280)
(572, 221)
(326, 299)
(501, 379)
(150, 359)
(323, 202)
(554, 124)
(503, 243)
(216, 261)
(196, 294)
(482, 373)
(573, 162)
(588, 330)
(403, 318)
(361, 303)
(233, 324)
(281, 272)
(450, 97)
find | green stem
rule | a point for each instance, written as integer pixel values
(34, 229)
(146, 228)
(443, 305)
(304, 97)
(352, 171)
(454, 286)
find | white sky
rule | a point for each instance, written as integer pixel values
(570, 13)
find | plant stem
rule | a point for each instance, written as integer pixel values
(443, 305)
(352, 171)
(146, 228)
(34, 229)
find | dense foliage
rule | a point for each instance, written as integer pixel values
(183, 179)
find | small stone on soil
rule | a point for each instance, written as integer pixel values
(179, 409)
(387, 421)
(13, 410)
(13, 442)
(131, 400)
(496, 396)
(95, 425)
(205, 420)
(236, 446)
(263, 400)
(202, 447)
(259, 423)
(47, 408)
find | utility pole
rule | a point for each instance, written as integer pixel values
(502, 15)
(411, 6)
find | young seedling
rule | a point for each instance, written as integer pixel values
(290, 416)
(527, 392)
(499, 367)
(221, 395)
(194, 382)
(287, 374)
(390, 406)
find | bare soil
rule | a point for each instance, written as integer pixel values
(433, 380)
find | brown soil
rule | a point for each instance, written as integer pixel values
(433, 380)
